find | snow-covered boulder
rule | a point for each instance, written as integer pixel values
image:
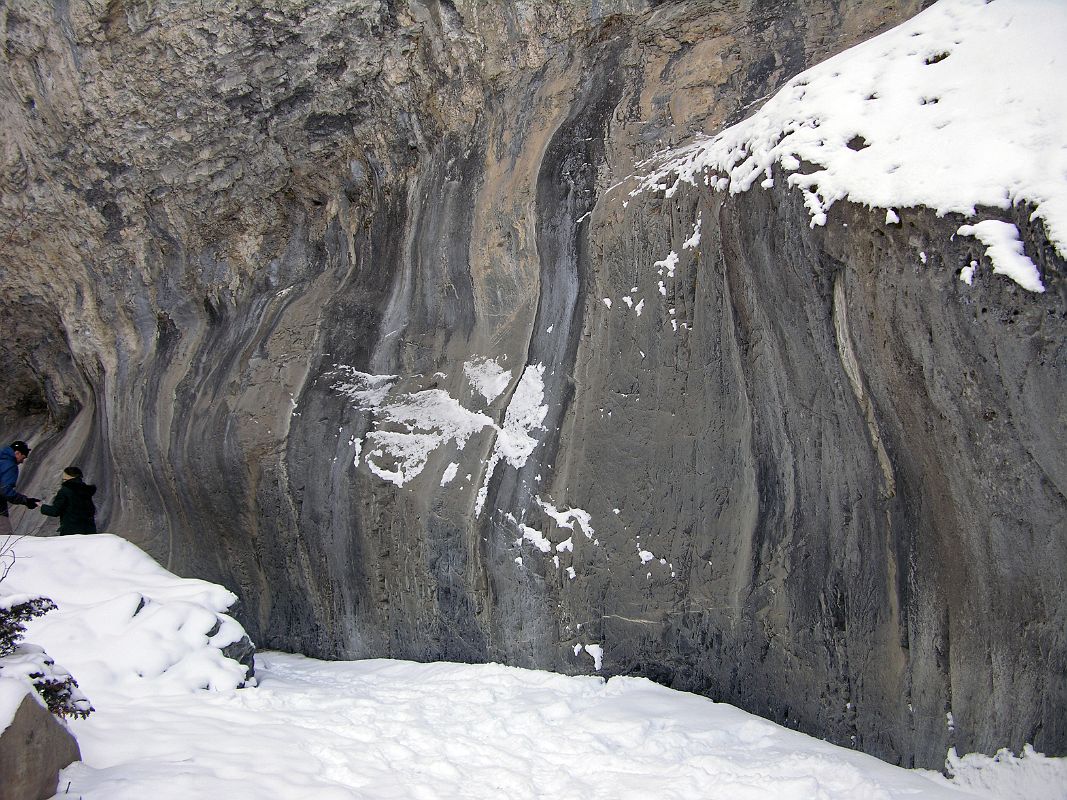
(122, 626)
(124, 622)
(34, 745)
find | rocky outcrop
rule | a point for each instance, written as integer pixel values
(316, 292)
(33, 749)
(243, 651)
(858, 432)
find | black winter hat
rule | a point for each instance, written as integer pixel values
(21, 447)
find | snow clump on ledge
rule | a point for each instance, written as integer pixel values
(123, 623)
(963, 106)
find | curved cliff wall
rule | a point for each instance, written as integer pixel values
(347, 306)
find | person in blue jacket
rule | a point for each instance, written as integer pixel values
(10, 459)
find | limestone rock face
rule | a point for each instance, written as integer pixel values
(33, 749)
(315, 291)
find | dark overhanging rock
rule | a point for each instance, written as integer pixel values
(824, 443)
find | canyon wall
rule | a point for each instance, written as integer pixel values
(350, 307)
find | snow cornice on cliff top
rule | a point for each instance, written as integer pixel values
(962, 107)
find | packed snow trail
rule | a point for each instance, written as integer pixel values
(386, 730)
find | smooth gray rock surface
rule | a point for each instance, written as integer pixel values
(828, 488)
(33, 749)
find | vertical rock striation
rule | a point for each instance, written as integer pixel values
(348, 307)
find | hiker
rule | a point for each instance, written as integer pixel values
(10, 459)
(73, 504)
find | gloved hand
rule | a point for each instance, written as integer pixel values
(31, 502)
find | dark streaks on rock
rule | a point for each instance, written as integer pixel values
(824, 478)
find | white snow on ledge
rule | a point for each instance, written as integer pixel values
(408, 427)
(487, 376)
(1005, 251)
(964, 105)
(12, 692)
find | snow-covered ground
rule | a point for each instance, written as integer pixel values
(143, 645)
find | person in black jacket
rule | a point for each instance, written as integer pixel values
(73, 504)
